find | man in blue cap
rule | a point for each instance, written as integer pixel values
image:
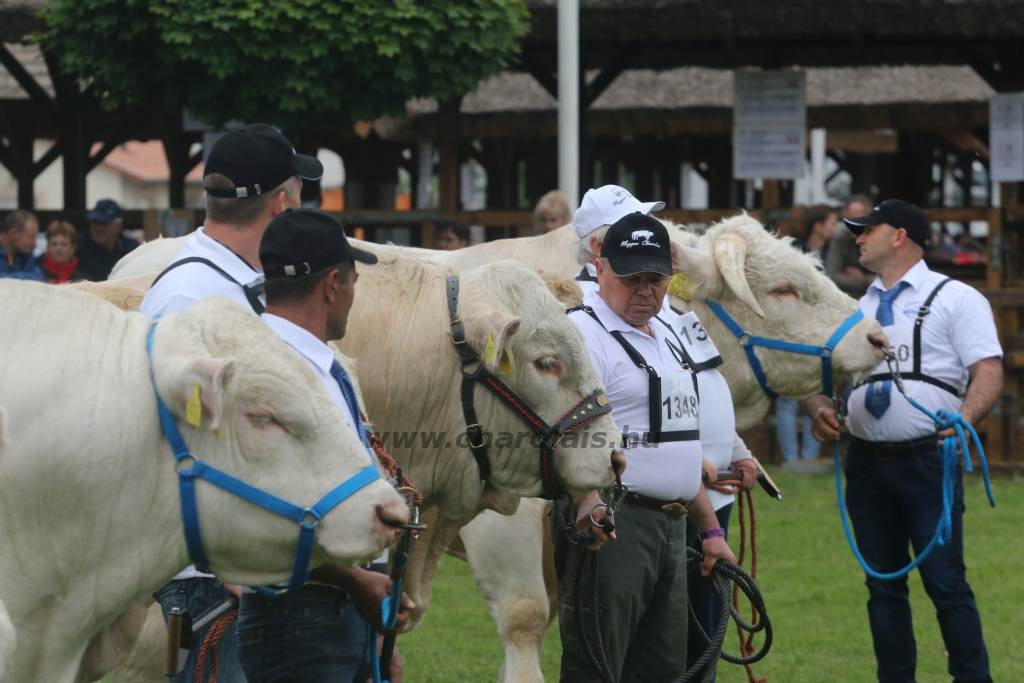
(102, 245)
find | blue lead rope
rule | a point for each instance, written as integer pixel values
(943, 420)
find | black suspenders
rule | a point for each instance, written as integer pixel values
(916, 373)
(252, 291)
(653, 380)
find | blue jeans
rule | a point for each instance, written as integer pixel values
(895, 502)
(706, 603)
(786, 410)
(312, 635)
(196, 596)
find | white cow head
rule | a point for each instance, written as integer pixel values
(521, 331)
(265, 419)
(774, 291)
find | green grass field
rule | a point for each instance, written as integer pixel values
(814, 592)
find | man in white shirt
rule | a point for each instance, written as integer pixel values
(722, 446)
(251, 175)
(640, 579)
(944, 337)
(319, 632)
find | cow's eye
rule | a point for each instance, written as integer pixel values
(264, 421)
(548, 364)
(784, 291)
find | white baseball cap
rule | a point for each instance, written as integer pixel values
(607, 204)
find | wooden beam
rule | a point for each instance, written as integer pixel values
(545, 77)
(448, 154)
(5, 157)
(626, 56)
(101, 154)
(26, 81)
(49, 156)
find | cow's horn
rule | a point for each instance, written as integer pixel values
(731, 257)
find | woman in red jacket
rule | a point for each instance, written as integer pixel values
(59, 262)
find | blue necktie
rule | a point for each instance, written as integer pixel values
(877, 399)
(349, 393)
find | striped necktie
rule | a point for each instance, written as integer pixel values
(349, 393)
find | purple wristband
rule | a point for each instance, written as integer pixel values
(712, 533)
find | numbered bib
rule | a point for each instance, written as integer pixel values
(680, 408)
(697, 342)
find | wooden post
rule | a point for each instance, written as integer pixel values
(448, 153)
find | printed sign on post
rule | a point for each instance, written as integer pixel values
(769, 124)
(1006, 137)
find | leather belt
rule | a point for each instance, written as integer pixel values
(924, 444)
(673, 508)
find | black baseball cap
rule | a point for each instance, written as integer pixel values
(105, 211)
(899, 214)
(257, 159)
(303, 241)
(638, 243)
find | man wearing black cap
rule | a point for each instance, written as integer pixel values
(315, 633)
(102, 245)
(640, 583)
(945, 340)
(251, 175)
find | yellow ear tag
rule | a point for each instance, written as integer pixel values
(681, 287)
(490, 350)
(505, 366)
(194, 407)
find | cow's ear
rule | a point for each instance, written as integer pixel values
(696, 269)
(199, 391)
(492, 331)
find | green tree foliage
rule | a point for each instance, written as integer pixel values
(295, 62)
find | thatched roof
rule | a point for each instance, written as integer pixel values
(699, 101)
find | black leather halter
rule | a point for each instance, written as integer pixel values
(593, 406)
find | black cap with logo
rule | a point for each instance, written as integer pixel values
(256, 159)
(638, 243)
(303, 241)
(899, 214)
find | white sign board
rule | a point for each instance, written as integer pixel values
(1006, 137)
(769, 125)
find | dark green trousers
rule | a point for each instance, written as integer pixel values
(640, 592)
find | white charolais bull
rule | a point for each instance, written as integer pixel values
(89, 499)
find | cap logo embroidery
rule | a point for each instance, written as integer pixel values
(641, 235)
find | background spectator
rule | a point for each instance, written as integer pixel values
(17, 242)
(59, 262)
(452, 236)
(842, 263)
(102, 244)
(819, 228)
(551, 212)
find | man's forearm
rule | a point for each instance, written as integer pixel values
(702, 512)
(984, 390)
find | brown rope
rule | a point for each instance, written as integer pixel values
(387, 461)
(746, 505)
(208, 649)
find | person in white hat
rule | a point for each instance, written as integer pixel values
(600, 208)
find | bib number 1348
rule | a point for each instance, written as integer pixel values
(680, 406)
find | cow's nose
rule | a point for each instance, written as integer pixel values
(393, 514)
(618, 462)
(880, 342)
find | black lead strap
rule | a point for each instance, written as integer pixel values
(252, 291)
(916, 373)
(591, 407)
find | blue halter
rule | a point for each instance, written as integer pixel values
(749, 342)
(191, 468)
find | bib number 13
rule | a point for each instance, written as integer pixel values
(680, 406)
